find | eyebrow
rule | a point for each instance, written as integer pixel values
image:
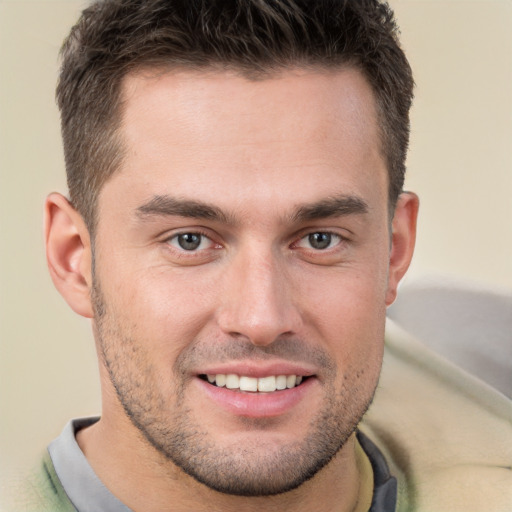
(336, 206)
(164, 205)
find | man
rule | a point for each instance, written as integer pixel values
(235, 230)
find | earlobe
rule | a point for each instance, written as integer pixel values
(402, 241)
(68, 253)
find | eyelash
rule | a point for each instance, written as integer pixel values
(331, 235)
(204, 236)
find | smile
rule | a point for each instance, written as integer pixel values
(257, 392)
(267, 384)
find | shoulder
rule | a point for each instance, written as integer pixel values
(36, 491)
(445, 434)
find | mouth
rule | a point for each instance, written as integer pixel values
(258, 390)
(244, 383)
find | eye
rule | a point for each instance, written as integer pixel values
(191, 242)
(319, 240)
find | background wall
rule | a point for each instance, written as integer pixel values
(460, 164)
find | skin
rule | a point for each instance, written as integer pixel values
(270, 163)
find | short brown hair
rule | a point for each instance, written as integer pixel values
(253, 37)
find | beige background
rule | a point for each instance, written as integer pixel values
(460, 164)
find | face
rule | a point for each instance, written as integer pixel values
(241, 271)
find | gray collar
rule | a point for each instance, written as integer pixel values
(85, 490)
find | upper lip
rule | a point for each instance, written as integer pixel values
(258, 369)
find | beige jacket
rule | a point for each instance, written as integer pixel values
(447, 436)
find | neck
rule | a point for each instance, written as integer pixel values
(144, 480)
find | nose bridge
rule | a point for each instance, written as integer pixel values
(258, 302)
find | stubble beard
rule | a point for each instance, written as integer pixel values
(254, 469)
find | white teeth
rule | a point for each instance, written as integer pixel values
(281, 382)
(232, 381)
(263, 384)
(248, 384)
(267, 384)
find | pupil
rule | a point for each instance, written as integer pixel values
(189, 241)
(320, 240)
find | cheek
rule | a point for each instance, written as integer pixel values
(164, 310)
(348, 314)
(347, 298)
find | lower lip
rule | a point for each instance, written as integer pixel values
(257, 405)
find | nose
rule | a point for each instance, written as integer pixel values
(258, 302)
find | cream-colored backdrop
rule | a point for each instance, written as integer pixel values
(460, 163)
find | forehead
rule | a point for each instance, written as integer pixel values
(219, 133)
(295, 103)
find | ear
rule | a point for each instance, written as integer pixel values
(403, 238)
(68, 253)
